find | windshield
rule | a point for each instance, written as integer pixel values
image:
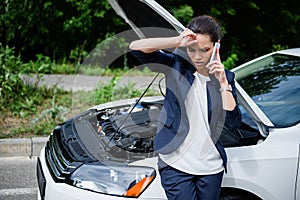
(273, 84)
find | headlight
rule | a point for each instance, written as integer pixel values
(128, 181)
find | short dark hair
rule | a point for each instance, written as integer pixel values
(206, 24)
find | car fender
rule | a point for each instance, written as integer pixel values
(265, 169)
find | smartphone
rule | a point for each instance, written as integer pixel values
(214, 53)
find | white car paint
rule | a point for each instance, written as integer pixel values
(268, 169)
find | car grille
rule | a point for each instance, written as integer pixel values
(60, 162)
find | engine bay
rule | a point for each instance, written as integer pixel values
(128, 132)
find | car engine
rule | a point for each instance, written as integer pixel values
(125, 132)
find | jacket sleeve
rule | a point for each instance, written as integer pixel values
(155, 60)
(234, 117)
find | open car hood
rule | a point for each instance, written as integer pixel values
(143, 14)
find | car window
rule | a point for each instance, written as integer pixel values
(273, 84)
(247, 134)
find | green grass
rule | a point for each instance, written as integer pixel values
(28, 110)
(59, 106)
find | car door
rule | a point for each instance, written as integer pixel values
(298, 172)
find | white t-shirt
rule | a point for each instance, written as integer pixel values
(197, 154)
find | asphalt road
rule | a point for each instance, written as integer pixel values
(18, 178)
(88, 83)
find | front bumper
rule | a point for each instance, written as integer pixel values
(51, 190)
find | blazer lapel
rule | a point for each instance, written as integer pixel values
(216, 114)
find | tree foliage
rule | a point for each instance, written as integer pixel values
(251, 28)
(55, 28)
(66, 29)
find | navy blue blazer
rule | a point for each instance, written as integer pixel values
(173, 124)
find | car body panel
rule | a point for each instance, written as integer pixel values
(292, 52)
(261, 119)
(57, 191)
(268, 169)
(262, 168)
(126, 102)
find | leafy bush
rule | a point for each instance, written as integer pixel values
(12, 88)
(184, 13)
(17, 96)
(68, 29)
(231, 61)
(110, 91)
(44, 65)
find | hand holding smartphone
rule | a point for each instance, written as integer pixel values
(214, 53)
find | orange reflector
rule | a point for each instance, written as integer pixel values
(138, 188)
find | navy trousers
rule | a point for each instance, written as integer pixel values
(182, 186)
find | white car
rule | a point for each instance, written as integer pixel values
(107, 151)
